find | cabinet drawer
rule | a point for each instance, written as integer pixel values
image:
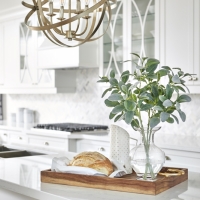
(90, 145)
(18, 138)
(49, 143)
(185, 159)
(4, 137)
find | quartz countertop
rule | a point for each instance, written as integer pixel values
(22, 175)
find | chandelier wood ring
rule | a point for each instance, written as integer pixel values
(81, 24)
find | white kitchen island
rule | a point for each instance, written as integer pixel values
(20, 179)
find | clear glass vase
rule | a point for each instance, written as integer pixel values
(146, 158)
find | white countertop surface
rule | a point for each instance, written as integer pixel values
(22, 175)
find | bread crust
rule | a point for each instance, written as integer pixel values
(94, 160)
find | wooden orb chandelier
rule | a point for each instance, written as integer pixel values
(74, 20)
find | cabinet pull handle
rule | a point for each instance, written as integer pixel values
(5, 134)
(46, 143)
(101, 149)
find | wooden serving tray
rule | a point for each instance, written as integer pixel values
(127, 183)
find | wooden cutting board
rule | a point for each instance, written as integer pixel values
(127, 183)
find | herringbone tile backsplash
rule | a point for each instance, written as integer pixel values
(87, 106)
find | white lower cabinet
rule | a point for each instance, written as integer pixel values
(183, 159)
(4, 136)
(48, 143)
(92, 145)
(17, 138)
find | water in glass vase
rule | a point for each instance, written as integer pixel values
(146, 158)
(139, 167)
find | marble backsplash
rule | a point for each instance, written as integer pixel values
(87, 106)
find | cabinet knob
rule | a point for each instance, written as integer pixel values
(20, 138)
(101, 149)
(46, 143)
(5, 134)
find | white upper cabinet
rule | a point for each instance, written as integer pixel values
(19, 58)
(131, 31)
(178, 33)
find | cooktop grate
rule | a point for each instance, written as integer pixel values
(71, 127)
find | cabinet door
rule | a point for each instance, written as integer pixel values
(11, 53)
(178, 36)
(1, 55)
(131, 31)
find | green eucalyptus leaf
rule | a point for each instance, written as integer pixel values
(183, 98)
(111, 103)
(112, 74)
(167, 103)
(170, 109)
(166, 68)
(125, 76)
(135, 123)
(124, 88)
(115, 91)
(177, 121)
(117, 109)
(186, 87)
(113, 81)
(135, 54)
(154, 90)
(129, 105)
(162, 98)
(169, 91)
(157, 108)
(176, 79)
(144, 107)
(151, 65)
(111, 116)
(170, 120)
(152, 76)
(103, 81)
(115, 97)
(182, 115)
(154, 121)
(164, 116)
(120, 85)
(180, 73)
(178, 106)
(162, 72)
(129, 116)
(180, 88)
(104, 93)
(118, 117)
(177, 68)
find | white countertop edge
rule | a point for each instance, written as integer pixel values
(33, 193)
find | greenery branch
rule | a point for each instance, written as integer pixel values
(143, 91)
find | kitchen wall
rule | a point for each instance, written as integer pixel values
(87, 106)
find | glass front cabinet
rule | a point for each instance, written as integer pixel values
(131, 30)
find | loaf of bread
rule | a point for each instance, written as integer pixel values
(94, 160)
